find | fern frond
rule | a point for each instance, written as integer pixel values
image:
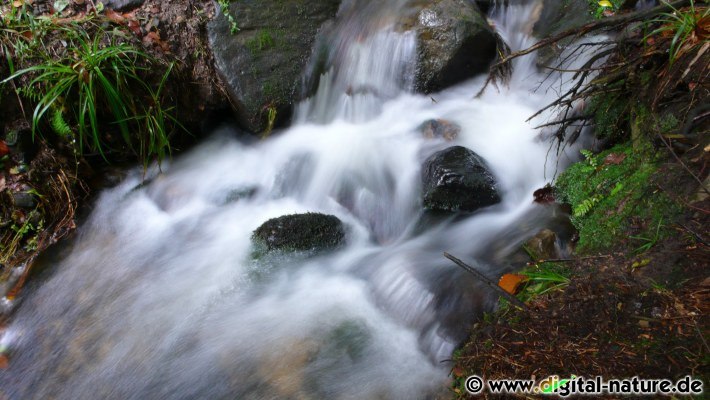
(583, 208)
(60, 126)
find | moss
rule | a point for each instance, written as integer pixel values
(614, 198)
(610, 114)
(266, 39)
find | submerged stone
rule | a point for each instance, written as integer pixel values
(457, 179)
(440, 129)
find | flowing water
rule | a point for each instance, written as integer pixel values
(159, 296)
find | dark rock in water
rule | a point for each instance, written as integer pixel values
(440, 129)
(543, 246)
(457, 179)
(122, 4)
(262, 64)
(545, 195)
(300, 232)
(455, 43)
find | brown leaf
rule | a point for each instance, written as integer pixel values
(135, 27)
(614, 159)
(4, 362)
(4, 150)
(115, 17)
(511, 282)
(458, 372)
(154, 38)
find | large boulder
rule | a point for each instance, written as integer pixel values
(455, 42)
(261, 64)
(311, 232)
(457, 179)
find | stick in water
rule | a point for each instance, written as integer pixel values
(512, 299)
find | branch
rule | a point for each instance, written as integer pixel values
(596, 25)
(513, 300)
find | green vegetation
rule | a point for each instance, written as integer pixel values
(96, 83)
(543, 278)
(598, 7)
(224, 7)
(612, 193)
(682, 25)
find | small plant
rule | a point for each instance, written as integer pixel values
(604, 7)
(684, 25)
(543, 278)
(649, 241)
(99, 82)
(224, 7)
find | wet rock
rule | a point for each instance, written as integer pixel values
(121, 5)
(24, 200)
(300, 232)
(557, 16)
(262, 64)
(457, 179)
(543, 246)
(455, 43)
(545, 195)
(440, 129)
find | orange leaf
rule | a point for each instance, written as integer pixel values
(4, 362)
(511, 282)
(115, 17)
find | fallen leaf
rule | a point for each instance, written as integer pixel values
(4, 362)
(115, 17)
(4, 150)
(644, 324)
(135, 27)
(17, 3)
(458, 372)
(614, 159)
(511, 282)
(154, 38)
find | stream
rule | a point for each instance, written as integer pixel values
(159, 297)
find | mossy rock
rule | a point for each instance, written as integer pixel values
(311, 232)
(457, 179)
(261, 64)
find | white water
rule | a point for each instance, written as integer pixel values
(159, 297)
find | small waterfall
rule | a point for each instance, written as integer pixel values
(159, 295)
(368, 62)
